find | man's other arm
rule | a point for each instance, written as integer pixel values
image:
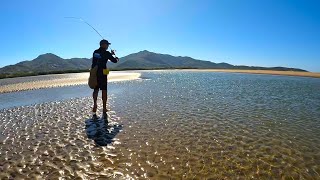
(111, 58)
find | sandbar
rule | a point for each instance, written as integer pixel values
(65, 80)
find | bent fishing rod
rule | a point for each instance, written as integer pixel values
(80, 19)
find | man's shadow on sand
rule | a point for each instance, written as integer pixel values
(101, 132)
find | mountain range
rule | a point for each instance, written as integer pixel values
(142, 60)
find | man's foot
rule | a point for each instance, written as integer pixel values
(105, 116)
(94, 117)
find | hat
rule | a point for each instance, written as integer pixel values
(103, 41)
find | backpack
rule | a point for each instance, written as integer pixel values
(93, 79)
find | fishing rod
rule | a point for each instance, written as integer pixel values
(91, 27)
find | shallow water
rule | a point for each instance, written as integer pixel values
(57, 139)
(194, 125)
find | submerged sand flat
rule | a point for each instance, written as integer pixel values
(286, 73)
(64, 80)
(52, 141)
(175, 126)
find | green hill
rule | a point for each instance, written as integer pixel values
(50, 63)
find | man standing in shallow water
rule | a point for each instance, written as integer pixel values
(100, 59)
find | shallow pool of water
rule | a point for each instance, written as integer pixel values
(194, 125)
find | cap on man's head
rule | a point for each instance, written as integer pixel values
(103, 41)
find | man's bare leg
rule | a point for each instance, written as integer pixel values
(95, 97)
(104, 100)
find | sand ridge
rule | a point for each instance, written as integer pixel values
(74, 79)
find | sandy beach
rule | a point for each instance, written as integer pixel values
(285, 73)
(65, 80)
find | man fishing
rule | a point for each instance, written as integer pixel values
(100, 59)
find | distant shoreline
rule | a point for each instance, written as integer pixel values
(268, 72)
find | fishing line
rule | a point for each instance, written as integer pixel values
(88, 25)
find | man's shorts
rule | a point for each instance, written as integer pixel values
(102, 81)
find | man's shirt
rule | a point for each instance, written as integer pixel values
(101, 57)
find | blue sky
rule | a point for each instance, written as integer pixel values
(240, 32)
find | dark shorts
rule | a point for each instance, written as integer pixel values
(102, 81)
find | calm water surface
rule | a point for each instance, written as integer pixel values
(202, 125)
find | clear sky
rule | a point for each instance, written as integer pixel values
(240, 32)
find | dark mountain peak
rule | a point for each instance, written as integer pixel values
(48, 55)
(187, 57)
(140, 54)
(145, 52)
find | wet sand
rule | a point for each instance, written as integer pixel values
(285, 73)
(65, 80)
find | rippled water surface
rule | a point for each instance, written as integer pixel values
(171, 124)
